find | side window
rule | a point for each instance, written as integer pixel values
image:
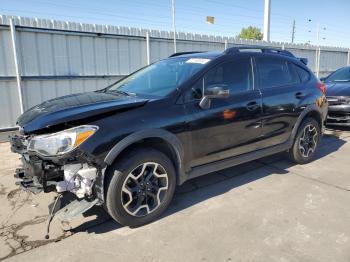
(294, 76)
(303, 74)
(275, 72)
(237, 75)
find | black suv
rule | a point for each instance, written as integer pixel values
(127, 146)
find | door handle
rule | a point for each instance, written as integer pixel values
(251, 106)
(299, 95)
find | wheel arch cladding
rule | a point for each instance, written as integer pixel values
(158, 139)
(311, 111)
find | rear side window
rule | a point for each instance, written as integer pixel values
(303, 74)
(276, 72)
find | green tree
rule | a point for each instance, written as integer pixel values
(251, 32)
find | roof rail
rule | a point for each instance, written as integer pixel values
(186, 53)
(263, 49)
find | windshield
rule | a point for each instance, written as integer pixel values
(342, 75)
(160, 78)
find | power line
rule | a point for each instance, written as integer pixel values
(227, 22)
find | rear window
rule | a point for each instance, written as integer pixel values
(276, 72)
(303, 74)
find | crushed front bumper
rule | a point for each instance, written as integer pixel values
(35, 174)
(70, 174)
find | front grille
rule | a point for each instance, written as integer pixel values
(339, 116)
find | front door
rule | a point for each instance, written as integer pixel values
(232, 125)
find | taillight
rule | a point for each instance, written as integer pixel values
(322, 87)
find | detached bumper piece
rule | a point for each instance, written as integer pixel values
(66, 213)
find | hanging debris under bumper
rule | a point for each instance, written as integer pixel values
(73, 174)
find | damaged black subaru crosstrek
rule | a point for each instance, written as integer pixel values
(127, 146)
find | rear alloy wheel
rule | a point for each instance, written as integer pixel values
(306, 142)
(139, 187)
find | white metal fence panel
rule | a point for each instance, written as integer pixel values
(7, 65)
(37, 91)
(57, 54)
(58, 58)
(331, 61)
(9, 104)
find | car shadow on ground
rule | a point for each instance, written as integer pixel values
(202, 188)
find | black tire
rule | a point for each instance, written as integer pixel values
(298, 155)
(115, 182)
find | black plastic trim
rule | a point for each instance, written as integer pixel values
(170, 138)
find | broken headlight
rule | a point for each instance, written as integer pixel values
(61, 142)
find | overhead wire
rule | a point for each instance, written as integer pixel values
(226, 22)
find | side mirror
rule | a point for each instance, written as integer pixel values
(205, 102)
(215, 91)
(322, 79)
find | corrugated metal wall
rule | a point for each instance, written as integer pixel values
(58, 58)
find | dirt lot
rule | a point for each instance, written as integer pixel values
(266, 210)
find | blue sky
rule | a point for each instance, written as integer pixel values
(230, 16)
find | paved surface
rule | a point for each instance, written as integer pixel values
(266, 210)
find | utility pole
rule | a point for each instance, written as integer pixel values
(174, 25)
(318, 48)
(267, 12)
(317, 33)
(293, 31)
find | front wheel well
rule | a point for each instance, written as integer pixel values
(155, 143)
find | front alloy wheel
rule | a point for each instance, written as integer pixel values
(139, 186)
(144, 189)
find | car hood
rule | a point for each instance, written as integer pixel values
(338, 89)
(77, 107)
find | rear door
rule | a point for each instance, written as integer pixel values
(282, 96)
